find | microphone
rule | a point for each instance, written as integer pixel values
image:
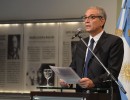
(79, 31)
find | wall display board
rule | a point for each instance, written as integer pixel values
(11, 57)
(67, 44)
(27, 49)
(41, 50)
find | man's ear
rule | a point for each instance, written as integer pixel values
(102, 21)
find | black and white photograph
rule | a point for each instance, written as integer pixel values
(40, 76)
(13, 46)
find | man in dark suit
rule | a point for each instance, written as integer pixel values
(107, 47)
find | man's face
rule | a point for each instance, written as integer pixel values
(93, 21)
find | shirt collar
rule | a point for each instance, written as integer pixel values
(96, 38)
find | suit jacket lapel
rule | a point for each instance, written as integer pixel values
(81, 49)
(100, 42)
(84, 47)
(98, 46)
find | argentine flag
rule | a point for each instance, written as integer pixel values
(123, 29)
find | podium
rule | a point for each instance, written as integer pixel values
(53, 95)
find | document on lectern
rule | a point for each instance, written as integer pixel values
(66, 73)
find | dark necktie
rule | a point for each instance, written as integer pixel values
(89, 54)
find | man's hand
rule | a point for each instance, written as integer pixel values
(63, 83)
(86, 83)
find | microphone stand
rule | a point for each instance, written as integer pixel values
(108, 72)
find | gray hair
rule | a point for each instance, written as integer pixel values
(101, 11)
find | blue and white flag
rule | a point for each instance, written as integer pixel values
(123, 3)
(123, 29)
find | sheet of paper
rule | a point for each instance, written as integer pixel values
(67, 74)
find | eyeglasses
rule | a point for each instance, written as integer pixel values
(91, 17)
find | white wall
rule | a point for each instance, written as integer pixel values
(53, 9)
